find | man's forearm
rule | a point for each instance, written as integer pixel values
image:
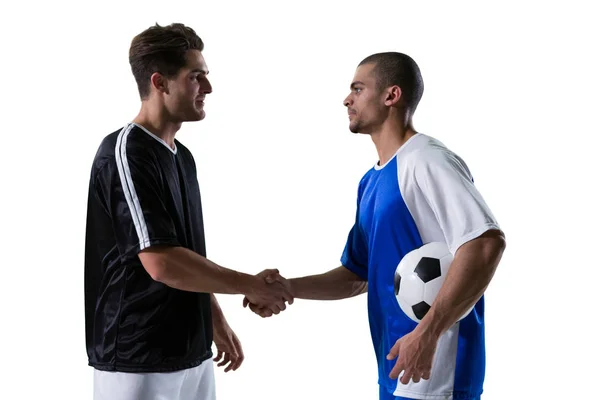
(468, 277)
(184, 269)
(216, 311)
(339, 283)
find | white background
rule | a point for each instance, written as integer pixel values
(512, 87)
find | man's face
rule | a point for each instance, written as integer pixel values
(187, 90)
(365, 102)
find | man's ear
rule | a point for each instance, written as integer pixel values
(159, 83)
(393, 96)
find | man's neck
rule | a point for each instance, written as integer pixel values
(158, 122)
(390, 138)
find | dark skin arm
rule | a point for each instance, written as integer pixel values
(469, 275)
(184, 269)
(336, 284)
(229, 348)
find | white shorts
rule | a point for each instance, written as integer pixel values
(189, 384)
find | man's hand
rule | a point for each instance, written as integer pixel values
(271, 277)
(415, 353)
(229, 348)
(471, 270)
(270, 292)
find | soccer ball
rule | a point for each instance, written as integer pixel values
(419, 277)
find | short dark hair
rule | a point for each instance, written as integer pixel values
(392, 68)
(161, 49)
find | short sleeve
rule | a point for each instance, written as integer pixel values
(355, 255)
(448, 187)
(132, 193)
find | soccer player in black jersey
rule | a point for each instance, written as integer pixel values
(150, 311)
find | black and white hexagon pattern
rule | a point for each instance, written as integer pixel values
(419, 277)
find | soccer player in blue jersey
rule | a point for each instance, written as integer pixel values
(418, 192)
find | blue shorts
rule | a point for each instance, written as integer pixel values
(385, 395)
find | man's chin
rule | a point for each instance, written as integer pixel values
(199, 115)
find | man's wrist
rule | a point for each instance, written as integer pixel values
(431, 326)
(216, 312)
(294, 287)
(246, 284)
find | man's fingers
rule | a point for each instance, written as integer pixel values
(398, 368)
(226, 359)
(286, 295)
(393, 352)
(416, 376)
(274, 309)
(233, 359)
(285, 292)
(271, 278)
(246, 302)
(426, 375)
(269, 272)
(239, 352)
(263, 312)
(280, 305)
(406, 377)
(236, 364)
(218, 357)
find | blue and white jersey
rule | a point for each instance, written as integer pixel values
(424, 193)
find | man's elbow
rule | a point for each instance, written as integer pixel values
(155, 264)
(493, 246)
(499, 242)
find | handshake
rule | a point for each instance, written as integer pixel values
(269, 293)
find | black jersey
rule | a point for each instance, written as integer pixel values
(142, 193)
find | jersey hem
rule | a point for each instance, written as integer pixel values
(456, 395)
(145, 244)
(423, 396)
(166, 241)
(357, 271)
(119, 367)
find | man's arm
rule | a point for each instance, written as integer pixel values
(468, 277)
(463, 216)
(229, 348)
(336, 284)
(132, 193)
(217, 313)
(346, 281)
(339, 283)
(446, 186)
(471, 271)
(183, 269)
